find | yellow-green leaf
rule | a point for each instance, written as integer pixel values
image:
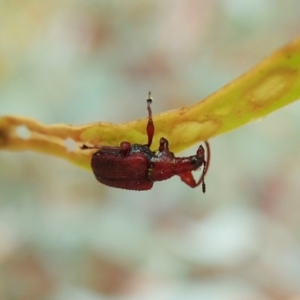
(272, 84)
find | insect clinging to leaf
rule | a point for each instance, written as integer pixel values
(135, 167)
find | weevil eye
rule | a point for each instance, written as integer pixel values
(194, 160)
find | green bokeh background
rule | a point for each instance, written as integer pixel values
(64, 236)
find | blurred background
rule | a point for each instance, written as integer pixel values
(65, 236)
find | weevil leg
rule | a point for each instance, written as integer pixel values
(205, 167)
(150, 125)
(85, 147)
(188, 178)
(207, 162)
(163, 145)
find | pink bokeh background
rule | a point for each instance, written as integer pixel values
(64, 236)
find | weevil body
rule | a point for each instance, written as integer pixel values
(136, 167)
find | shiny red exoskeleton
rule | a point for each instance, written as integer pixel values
(136, 167)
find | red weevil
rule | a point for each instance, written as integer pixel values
(136, 167)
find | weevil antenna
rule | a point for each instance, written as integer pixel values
(203, 174)
(150, 125)
(205, 167)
